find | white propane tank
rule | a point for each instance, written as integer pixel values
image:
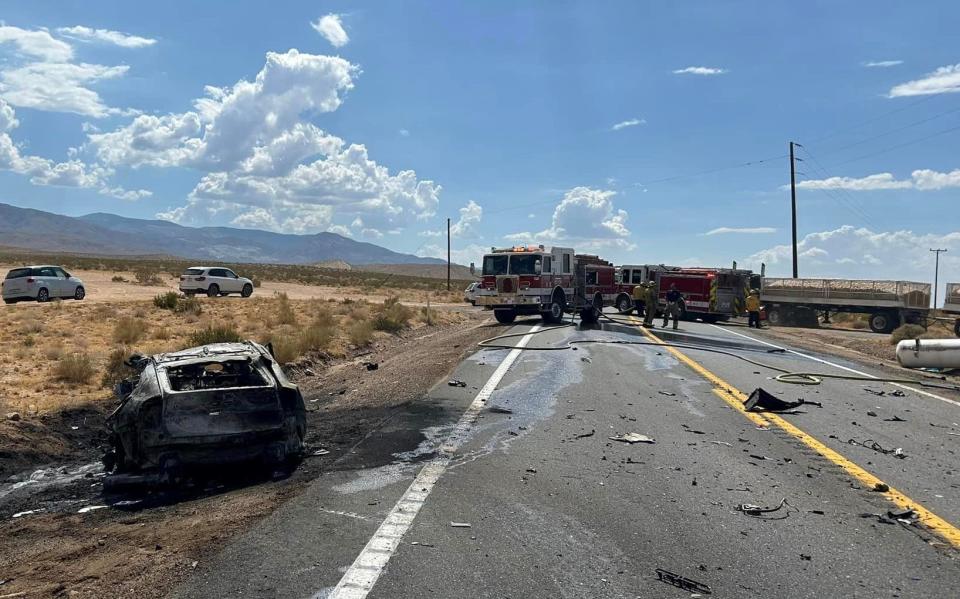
(929, 353)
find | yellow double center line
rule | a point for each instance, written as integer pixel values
(735, 398)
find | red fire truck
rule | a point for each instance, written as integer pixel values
(710, 294)
(549, 281)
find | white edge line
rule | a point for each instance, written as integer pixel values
(822, 361)
(362, 575)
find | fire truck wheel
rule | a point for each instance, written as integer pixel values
(624, 303)
(505, 316)
(554, 313)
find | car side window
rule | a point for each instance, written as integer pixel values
(46, 272)
(217, 272)
(62, 273)
(229, 274)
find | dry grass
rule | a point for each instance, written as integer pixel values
(115, 370)
(908, 331)
(392, 316)
(28, 360)
(74, 368)
(285, 312)
(129, 329)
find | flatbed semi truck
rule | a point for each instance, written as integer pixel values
(888, 303)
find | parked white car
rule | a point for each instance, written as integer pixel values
(470, 293)
(41, 283)
(214, 281)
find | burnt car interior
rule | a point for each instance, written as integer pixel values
(217, 375)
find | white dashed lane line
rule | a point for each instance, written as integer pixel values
(359, 579)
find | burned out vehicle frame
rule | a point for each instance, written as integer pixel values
(211, 405)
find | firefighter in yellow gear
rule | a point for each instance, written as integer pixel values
(651, 299)
(753, 308)
(638, 294)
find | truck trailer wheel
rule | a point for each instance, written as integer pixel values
(883, 322)
(775, 317)
(505, 316)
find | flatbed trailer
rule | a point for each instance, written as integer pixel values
(888, 303)
(951, 304)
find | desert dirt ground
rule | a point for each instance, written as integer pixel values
(101, 288)
(144, 542)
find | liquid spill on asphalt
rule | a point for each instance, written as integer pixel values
(404, 467)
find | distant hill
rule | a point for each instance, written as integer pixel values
(434, 271)
(110, 234)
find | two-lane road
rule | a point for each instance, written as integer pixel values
(556, 508)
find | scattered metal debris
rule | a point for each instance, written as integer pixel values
(500, 410)
(90, 508)
(895, 418)
(878, 517)
(320, 452)
(871, 444)
(532, 470)
(632, 438)
(667, 393)
(756, 511)
(460, 524)
(422, 544)
(759, 457)
(721, 443)
(585, 359)
(871, 413)
(682, 582)
(897, 394)
(881, 487)
(456, 383)
(904, 516)
(585, 435)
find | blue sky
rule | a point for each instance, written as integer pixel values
(574, 123)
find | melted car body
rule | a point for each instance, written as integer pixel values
(213, 404)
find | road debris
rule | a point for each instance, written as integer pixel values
(895, 418)
(682, 582)
(532, 470)
(878, 517)
(721, 443)
(13, 416)
(667, 393)
(763, 401)
(881, 487)
(632, 438)
(871, 444)
(585, 359)
(500, 410)
(90, 508)
(460, 525)
(756, 511)
(585, 435)
(904, 516)
(421, 544)
(319, 452)
(456, 383)
(871, 413)
(371, 365)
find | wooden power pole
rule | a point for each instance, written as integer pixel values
(793, 206)
(936, 274)
(448, 254)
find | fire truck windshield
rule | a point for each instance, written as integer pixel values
(523, 265)
(495, 265)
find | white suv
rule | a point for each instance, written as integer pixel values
(214, 281)
(41, 283)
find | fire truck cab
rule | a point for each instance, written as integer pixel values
(549, 281)
(710, 294)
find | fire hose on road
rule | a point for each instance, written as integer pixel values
(784, 376)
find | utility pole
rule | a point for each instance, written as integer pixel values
(936, 273)
(793, 205)
(448, 254)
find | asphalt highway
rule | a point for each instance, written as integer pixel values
(511, 486)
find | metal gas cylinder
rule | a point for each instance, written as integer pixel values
(929, 353)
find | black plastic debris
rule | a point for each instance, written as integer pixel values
(894, 419)
(585, 435)
(371, 365)
(763, 401)
(871, 444)
(667, 393)
(756, 511)
(500, 410)
(682, 582)
(456, 383)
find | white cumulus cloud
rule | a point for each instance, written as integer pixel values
(740, 230)
(586, 218)
(700, 71)
(921, 179)
(627, 123)
(882, 64)
(38, 44)
(850, 252)
(943, 80)
(117, 38)
(331, 28)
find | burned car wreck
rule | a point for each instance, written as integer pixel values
(210, 405)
